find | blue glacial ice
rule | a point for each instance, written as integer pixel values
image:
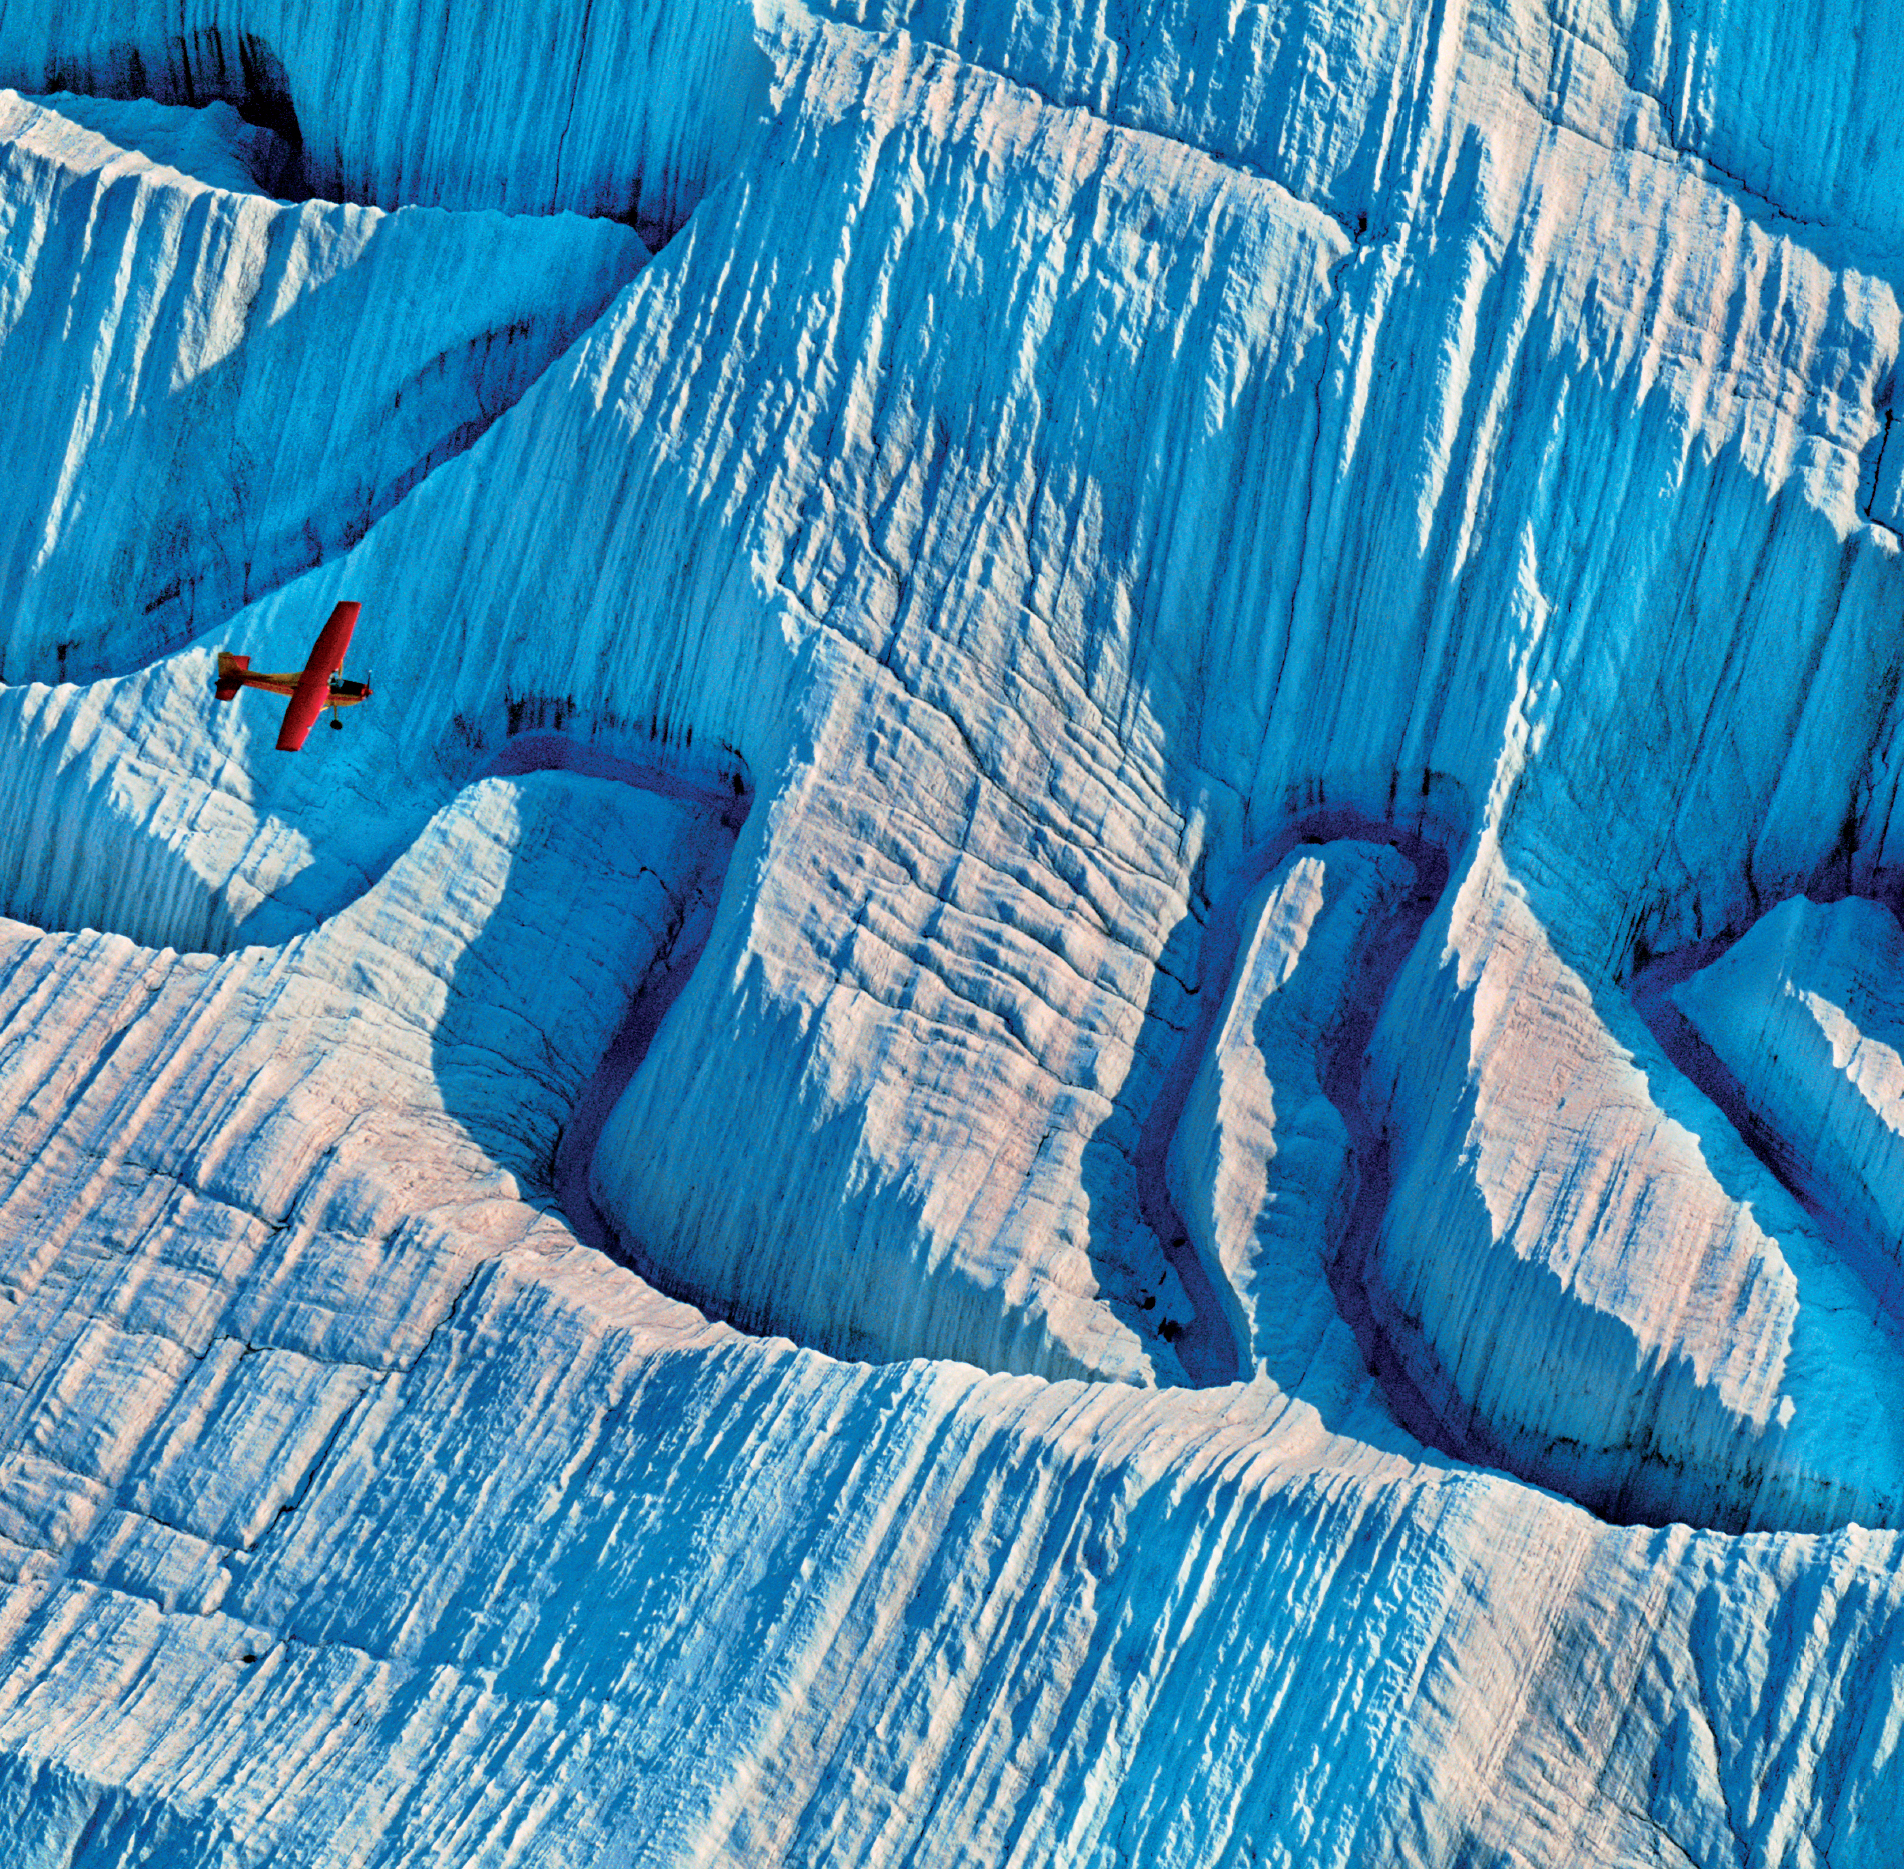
(1092, 1057)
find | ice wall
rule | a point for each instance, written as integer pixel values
(1647, 1322)
(231, 388)
(517, 107)
(1804, 1015)
(526, 107)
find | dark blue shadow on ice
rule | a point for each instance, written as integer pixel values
(650, 988)
(1204, 951)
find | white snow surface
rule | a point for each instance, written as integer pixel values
(1053, 455)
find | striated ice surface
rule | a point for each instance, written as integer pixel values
(949, 1137)
(1647, 1321)
(631, 107)
(231, 388)
(1261, 1164)
(1806, 1014)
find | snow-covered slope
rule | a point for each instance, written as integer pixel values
(1056, 457)
(1804, 1014)
(231, 388)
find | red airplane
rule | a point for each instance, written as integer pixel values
(312, 689)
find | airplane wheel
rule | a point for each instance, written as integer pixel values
(337, 726)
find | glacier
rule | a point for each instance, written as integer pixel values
(1094, 1054)
(1797, 1024)
(212, 384)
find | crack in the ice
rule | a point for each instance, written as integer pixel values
(581, 61)
(1030, 935)
(1029, 817)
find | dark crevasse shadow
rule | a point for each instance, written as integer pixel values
(659, 988)
(726, 795)
(597, 932)
(1651, 990)
(1208, 1347)
(1126, 1187)
(206, 66)
(1351, 1265)
(719, 779)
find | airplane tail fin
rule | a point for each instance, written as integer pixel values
(231, 672)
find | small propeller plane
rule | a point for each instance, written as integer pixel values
(311, 689)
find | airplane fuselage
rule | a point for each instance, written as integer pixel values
(341, 694)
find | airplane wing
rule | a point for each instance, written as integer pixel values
(314, 685)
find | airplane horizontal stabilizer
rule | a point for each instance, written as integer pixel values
(231, 671)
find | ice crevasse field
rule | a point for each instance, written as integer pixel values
(1096, 1054)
